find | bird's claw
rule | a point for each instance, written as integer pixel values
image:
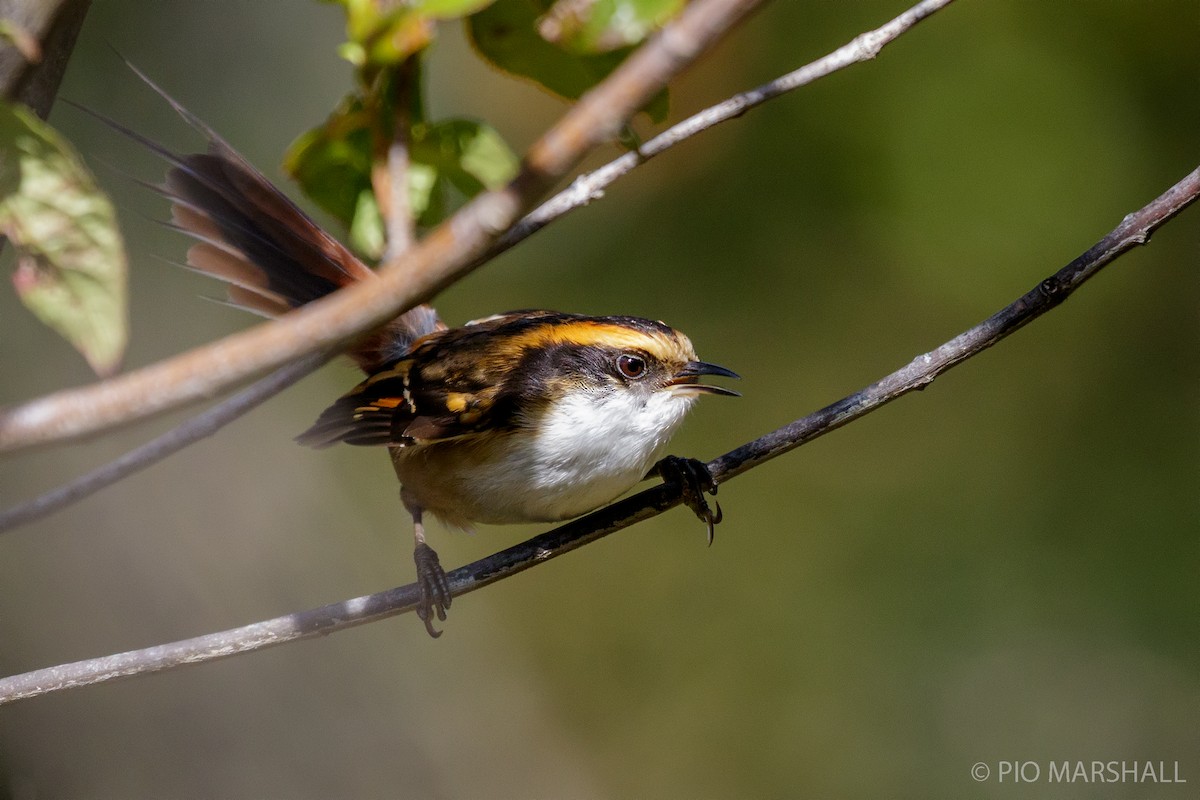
(694, 482)
(434, 588)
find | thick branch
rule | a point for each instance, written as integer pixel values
(446, 254)
(581, 192)
(1135, 229)
(52, 27)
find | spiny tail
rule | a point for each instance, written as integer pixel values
(271, 254)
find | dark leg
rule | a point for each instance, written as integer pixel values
(431, 579)
(694, 481)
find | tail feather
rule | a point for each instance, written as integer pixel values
(271, 254)
(218, 199)
(244, 289)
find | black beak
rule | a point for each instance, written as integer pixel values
(687, 378)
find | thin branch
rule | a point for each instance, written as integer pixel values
(174, 440)
(589, 187)
(582, 191)
(445, 255)
(1134, 230)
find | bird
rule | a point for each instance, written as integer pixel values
(523, 416)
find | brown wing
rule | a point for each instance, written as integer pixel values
(427, 396)
(370, 414)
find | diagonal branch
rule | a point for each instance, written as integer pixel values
(445, 255)
(1134, 230)
(198, 427)
(864, 47)
(582, 191)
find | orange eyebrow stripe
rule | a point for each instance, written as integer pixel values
(587, 333)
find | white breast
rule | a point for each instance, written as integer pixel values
(586, 450)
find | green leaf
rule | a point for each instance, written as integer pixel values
(506, 34)
(451, 9)
(383, 34)
(470, 155)
(71, 269)
(425, 196)
(363, 11)
(332, 163)
(367, 233)
(399, 35)
(599, 26)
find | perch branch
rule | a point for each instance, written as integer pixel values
(445, 255)
(582, 191)
(1134, 230)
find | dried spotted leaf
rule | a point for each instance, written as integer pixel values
(71, 270)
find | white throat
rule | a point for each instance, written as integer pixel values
(587, 449)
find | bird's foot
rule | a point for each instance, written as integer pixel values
(435, 590)
(694, 482)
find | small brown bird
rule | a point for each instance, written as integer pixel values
(528, 416)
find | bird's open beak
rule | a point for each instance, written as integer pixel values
(686, 380)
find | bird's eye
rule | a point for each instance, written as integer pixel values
(632, 367)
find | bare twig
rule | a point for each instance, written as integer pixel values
(591, 186)
(174, 440)
(582, 191)
(445, 255)
(1134, 230)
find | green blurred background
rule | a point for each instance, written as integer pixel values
(1004, 567)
